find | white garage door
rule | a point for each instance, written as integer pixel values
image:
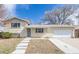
(62, 33)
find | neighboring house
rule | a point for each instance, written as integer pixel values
(22, 28)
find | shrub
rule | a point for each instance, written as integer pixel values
(1, 34)
(5, 35)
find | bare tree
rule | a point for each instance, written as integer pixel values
(3, 11)
(60, 14)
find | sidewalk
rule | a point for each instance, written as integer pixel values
(21, 47)
(66, 48)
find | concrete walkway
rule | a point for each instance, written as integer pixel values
(66, 48)
(22, 46)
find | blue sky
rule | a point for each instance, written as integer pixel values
(32, 11)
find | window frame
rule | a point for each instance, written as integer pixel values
(39, 30)
(15, 25)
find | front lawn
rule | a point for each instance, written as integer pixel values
(42, 46)
(8, 45)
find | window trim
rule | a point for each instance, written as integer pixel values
(15, 25)
(39, 30)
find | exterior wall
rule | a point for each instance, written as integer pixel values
(8, 23)
(76, 33)
(15, 35)
(48, 32)
(23, 33)
(60, 28)
(34, 34)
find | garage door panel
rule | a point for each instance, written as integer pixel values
(62, 33)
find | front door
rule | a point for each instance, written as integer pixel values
(28, 32)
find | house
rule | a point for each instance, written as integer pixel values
(1, 28)
(15, 22)
(50, 31)
(22, 28)
(15, 25)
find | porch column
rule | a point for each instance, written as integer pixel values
(73, 34)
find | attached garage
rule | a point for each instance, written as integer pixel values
(52, 30)
(62, 33)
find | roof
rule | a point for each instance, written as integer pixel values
(46, 26)
(26, 20)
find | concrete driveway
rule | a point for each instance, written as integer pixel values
(67, 45)
(71, 41)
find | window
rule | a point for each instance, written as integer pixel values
(15, 25)
(39, 30)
